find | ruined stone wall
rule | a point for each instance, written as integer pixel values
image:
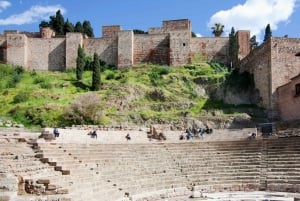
(17, 49)
(209, 49)
(180, 47)
(46, 54)
(288, 102)
(258, 62)
(106, 48)
(152, 48)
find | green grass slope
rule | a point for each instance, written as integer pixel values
(136, 95)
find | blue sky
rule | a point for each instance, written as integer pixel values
(253, 15)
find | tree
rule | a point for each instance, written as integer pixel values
(139, 31)
(96, 82)
(68, 27)
(233, 47)
(253, 43)
(87, 29)
(218, 29)
(268, 33)
(80, 63)
(44, 24)
(193, 34)
(78, 27)
(57, 23)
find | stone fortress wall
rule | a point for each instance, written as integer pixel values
(170, 44)
(272, 64)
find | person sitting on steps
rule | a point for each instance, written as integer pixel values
(128, 137)
(56, 132)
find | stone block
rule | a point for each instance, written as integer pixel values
(43, 181)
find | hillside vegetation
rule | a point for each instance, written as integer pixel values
(142, 94)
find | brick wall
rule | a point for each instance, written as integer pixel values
(177, 24)
(110, 31)
(208, 49)
(152, 48)
(244, 42)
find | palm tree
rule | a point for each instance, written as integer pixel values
(218, 29)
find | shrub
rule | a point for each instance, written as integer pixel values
(46, 85)
(21, 97)
(86, 109)
(157, 95)
(110, 75)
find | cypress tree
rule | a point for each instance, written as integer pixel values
(87, 29)
(78, 27)
(233, 47)
(80, 63)
(268, 33)
(96, 82)
(57, 23)
(68, 27)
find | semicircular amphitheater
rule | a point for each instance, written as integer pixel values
(75, 166)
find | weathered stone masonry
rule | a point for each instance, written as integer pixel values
(272, 64)
(170, 44)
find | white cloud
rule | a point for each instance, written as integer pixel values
(254, 15)
(4, 5)
(198, 35)
(34, 14)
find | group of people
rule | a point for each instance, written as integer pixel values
(190, 133)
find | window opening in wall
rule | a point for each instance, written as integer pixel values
(297, 89)
(183, 44)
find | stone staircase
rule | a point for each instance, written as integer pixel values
(22, 172)
(166, 170)
(110, 168)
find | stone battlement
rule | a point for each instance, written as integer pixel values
(170, 44)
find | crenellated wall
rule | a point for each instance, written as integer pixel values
(170, 44)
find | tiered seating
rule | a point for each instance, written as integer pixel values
(283, 165)
(18, 161)
(156, 171)
(140, 168)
